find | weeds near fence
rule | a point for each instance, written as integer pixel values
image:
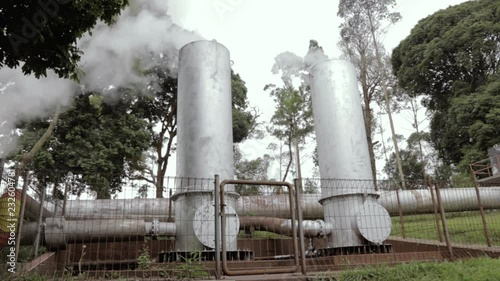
(144, 260)
(191, 268)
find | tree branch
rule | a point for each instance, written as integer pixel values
(28, 157)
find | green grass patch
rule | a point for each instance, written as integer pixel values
(483, 269)
(261, 235)
(464, 227)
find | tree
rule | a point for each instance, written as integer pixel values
(476, 118)
(360, 33)
(292, 119)
(255, 169)
(98, 140)
(278, 155)
(157, 104)
(413, 168)
(449, 58)
(245, 123)
(42, 35)
(311, 186)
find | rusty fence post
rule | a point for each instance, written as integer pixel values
(435, 208)
(481, 208)
(483, 217)
(400, 211)
(299, 224)
(443, 220)
(217, 228)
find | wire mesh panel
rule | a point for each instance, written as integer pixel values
(126, 236)
(131, 233)
(277, 240)
(419, 220)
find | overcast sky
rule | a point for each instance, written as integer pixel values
(255, 31)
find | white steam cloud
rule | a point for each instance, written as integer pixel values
(293, 67)
(110, 58)
(24, 98)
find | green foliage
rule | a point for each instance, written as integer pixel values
(255, 169)
(473, 270)
(452, 58)
(311, 186)
(191, 268)
(292, 119)
(361, 18)
(25, 254)
(158, 105)
(267, 235)
(144, 260)
(114, 275)
(41, 37)
(474, 119)
(100, 143)
(244, 118)
(413, 168)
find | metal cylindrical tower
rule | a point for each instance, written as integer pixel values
(204, 140)
(343, 154)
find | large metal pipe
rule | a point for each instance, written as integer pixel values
(59, 231)
(111, 208)
(412, 202)
(312, 228)
(204, 135)
(343, 154)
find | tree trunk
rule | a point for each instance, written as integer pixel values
(299, 172)
(368, 128)
(163, 164)
(290, 160)
(159, 181)
(387, 103)
(2, 165)
(416, 125)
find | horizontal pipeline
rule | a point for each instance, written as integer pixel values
(60, 231)
(412, 201)
(312, 229)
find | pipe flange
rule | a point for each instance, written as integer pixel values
(204, 224)
(374, 222)
(155, 227)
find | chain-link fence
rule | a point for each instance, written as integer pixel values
(68, 232)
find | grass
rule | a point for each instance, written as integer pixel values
(261, 235)
(483, 269)
(463, 227)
